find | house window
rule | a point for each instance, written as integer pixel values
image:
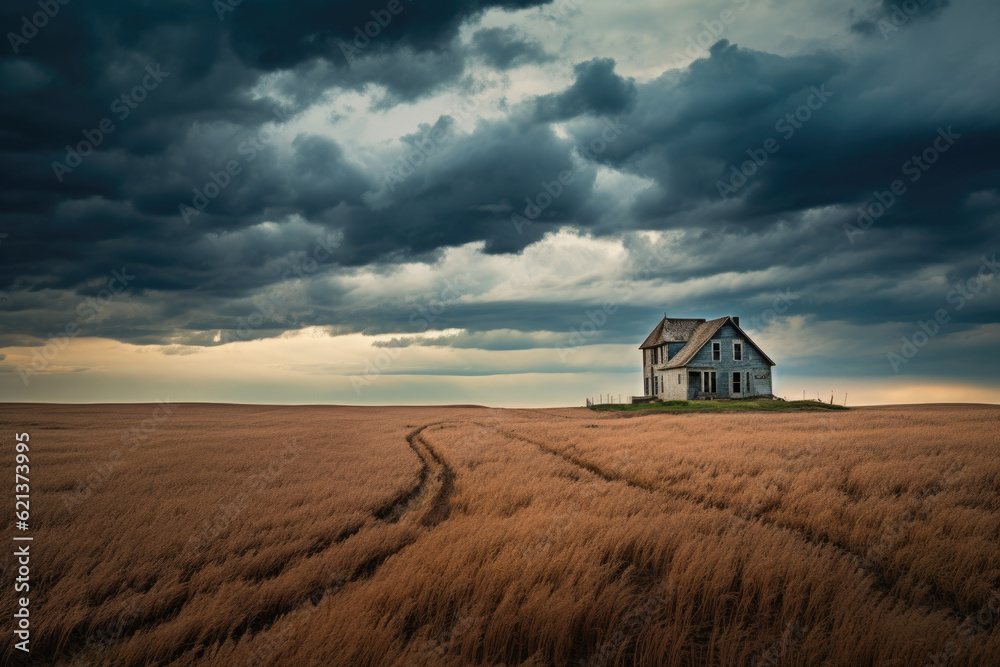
(737, 383)
(645, 387)
(678, 378)
(656, 385)
(708, 382)
(737, 350)
(716, 350)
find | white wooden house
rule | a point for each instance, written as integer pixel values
(687, 359)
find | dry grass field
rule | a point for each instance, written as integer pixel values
(252, 535)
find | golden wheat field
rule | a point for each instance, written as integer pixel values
(230, 535)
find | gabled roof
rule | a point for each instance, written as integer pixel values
(702, 335)
(672, 331)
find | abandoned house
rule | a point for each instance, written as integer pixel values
(688, 359)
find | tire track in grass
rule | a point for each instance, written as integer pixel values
(428, 501)
(435, 484)
(883, 579)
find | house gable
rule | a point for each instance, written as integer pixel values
(672, 330)
(697, 350)
(688, 368)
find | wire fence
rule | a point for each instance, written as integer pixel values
(608, 399)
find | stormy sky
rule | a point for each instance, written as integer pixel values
(494, 201)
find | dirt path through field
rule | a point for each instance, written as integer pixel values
(426, 504)
(883, 578)
(465, 535)
(429, 497)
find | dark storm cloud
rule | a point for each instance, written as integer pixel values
(597, 90)
(278, 35)
(503, 48)
(65, 77)
(162, 91)
(685, 133)
(807, 133)
(467, 190)
(889, 16)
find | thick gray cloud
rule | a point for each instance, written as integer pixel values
(597, 90)
(751, 163)
(504, 48)
(886, 17)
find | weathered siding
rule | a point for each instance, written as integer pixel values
(671, 390)
(752, 362)
(755, 371)
(693, 387)
(647, 373)
(649, 370)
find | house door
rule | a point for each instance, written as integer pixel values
(709, 385)
(694, 385)
(737, 386)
